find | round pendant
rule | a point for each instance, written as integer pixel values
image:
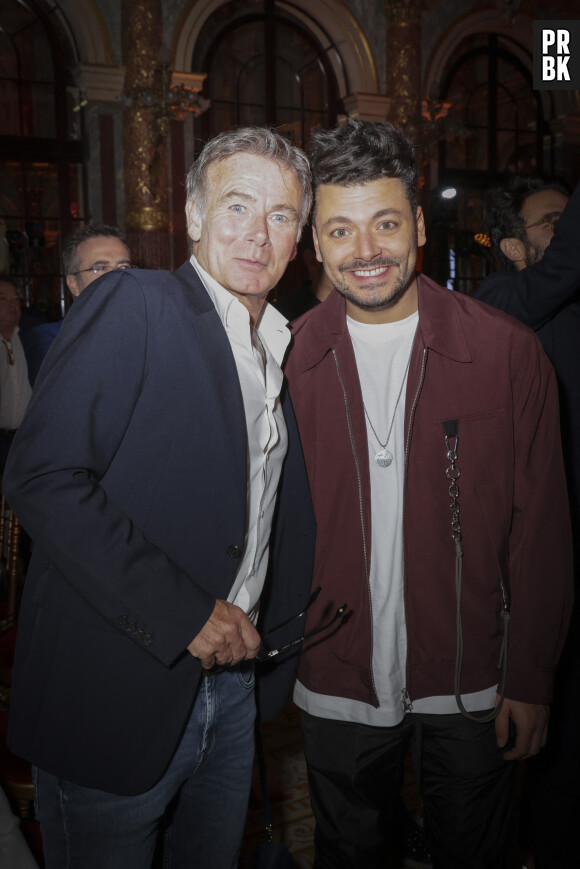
(384, 458)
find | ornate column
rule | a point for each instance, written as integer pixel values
(147, 220)
(404, 61)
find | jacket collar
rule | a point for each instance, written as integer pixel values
(196, 294)
(324, 326)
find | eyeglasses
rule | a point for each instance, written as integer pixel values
(265, 654)
(100, 270)
(548, 220)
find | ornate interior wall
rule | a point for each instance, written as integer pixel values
(388, 61)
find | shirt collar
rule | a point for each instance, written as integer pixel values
(272, 326)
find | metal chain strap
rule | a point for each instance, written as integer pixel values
(453, 473)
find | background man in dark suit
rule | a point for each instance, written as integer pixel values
(87, 255)
(146, 473)
(534, 231)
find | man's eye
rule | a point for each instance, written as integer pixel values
(388, 224)
(237, 208)
(338, 233)
(279, 218)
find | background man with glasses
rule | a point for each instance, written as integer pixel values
(158, 466)
(91, 252)
(15, 387)
(535, 231)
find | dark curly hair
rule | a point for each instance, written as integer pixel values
(503, 206)
(357, 151)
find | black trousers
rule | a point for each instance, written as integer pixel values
(355, 773)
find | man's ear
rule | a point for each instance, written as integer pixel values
(514, 249)
(420, 224)
(194, 220)
(316, 245)
(73, 285)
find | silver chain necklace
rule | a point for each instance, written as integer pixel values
(384, 457)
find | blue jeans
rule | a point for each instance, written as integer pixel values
(199, 806)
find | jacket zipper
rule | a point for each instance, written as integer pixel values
(406, 700)
(361, 511)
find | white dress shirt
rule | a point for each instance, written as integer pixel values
(258, 354)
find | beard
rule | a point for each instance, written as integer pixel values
(370, 300)
(533, 253)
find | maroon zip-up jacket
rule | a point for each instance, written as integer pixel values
(482, 369)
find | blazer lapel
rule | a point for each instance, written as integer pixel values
(216, 349)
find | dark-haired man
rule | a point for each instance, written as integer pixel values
(158, 446)
(429, 428)
(91, 252)
(534, 232)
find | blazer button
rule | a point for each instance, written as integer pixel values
(234, 551)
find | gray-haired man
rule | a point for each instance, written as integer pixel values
(146, 472)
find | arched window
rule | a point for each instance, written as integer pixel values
(264, 67)
(491, 87)
(496, 124)
(41, 190)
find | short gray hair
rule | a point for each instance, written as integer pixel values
(250, 140)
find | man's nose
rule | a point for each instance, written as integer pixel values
(367, 246)
(258, 230)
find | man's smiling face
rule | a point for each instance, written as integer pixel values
(367, 236)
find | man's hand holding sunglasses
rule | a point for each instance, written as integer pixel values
(227, 638)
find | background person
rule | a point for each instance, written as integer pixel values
(87, 255)
(534, 232)
(91, 252)
(15, 389)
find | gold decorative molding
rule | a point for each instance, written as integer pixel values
(404, 73)
(406, 11)
(193, 81)
(146, 219)
(146, 170)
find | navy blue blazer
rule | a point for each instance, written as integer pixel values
(129, 473)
